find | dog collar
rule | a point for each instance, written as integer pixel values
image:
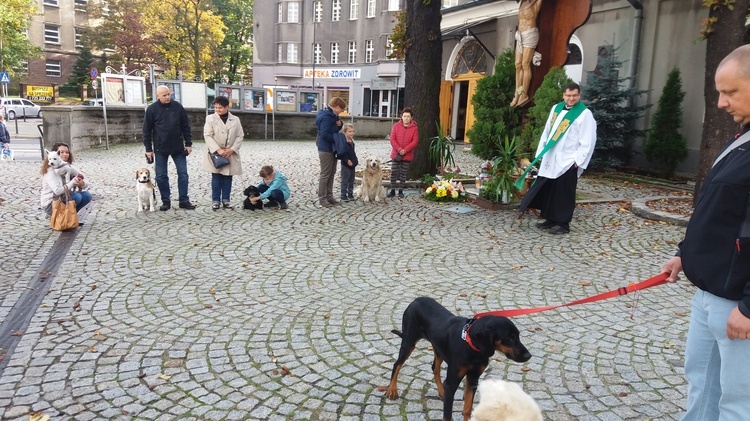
(465, 334)
(147, 181)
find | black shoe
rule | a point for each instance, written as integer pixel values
(215, 206)
(271, 204)
(344, 199)
(391, 193)
(187, 205)
(283, 205)
(545, 225)
(227, 205)
(165, 207)
(558, 230)
(400, 194)
(333, 201)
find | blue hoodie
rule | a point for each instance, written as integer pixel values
(278, 183)
(326, 122)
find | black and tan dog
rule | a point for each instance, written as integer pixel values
(466, 345)
(252, 191)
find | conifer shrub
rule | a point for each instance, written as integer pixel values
(665, 147)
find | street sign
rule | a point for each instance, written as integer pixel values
(4, 78)
(94, 73)
(95, 84)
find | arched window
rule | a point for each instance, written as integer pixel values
(470, 59)
(574, 55)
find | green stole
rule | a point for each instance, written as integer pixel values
(562, 128)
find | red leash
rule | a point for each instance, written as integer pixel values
(648, 283)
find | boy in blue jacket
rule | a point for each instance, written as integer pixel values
(273, 187)
(344, 143)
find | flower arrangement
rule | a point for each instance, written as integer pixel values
(445, 191)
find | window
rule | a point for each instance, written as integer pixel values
(80, 5)
(393, 5)
(52, 34)
(371, 8)
(353, 9)
(318, 11)
(291, 53)
(334, 53)
(317, 53)
(352, 52)
(78, 38)
(369, 51)
(53, 68)
(281, 13)
(336, 15)
(50, 2)
(292, 12)
(280, 55)
(449, 3)
(388, 47)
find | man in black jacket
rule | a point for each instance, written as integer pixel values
(166, 132)
(715, 256)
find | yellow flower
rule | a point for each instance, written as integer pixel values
(454, 194)
(429, 190)
(440, 192)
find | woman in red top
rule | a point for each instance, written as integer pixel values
(404, 138)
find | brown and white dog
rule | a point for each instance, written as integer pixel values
(145, 190)
(371, 189)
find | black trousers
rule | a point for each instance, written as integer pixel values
(554, 197)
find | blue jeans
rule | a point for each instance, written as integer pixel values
(162, 176)
(81, 198)
(347, 182)
(717, 369)
(221, 186)
(276, 195)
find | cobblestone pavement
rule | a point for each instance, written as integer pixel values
(274, 315)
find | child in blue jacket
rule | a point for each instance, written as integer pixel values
(273, 187)
(344, 144)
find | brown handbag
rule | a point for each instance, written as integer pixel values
(64, 214)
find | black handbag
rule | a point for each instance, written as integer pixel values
(218, 160)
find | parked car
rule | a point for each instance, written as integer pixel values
(13, 107)
(97, 102)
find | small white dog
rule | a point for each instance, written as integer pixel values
(144, 189)
(55, 162)
(500, 400)
(371, 189)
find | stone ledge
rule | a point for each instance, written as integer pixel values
(640, 208)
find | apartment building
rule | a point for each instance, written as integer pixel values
(334, 47)
(57, 30)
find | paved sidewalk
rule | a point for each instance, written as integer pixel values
(272, 315)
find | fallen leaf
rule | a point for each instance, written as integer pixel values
(524, 369)
(463, 294)
(16, 333)
(209, 306)
(141, 375)
(275, 372)
(584, 284)
(94, 350)
(273, 360)
(38, 416)
(382, 388)
(212, 291)
(623, 394)
(163, 377)
(93, 287)
(326, 316)
(679, 313)
(137, 284)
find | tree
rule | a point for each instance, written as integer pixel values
(15, 47)
(80, 75)
(665, 146)
(235, 51)
(187, 35)
(124, 29)
(495, 119)
(725, 31)
(546, 96)
(614, 110)
(423, 64)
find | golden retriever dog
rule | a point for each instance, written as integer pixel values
(144, 190)
(371, 189)
(500, 400)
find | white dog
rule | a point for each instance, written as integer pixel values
(55, 162)
(371, 189)
(145, 190)
(500, 400)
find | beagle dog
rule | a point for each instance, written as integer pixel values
(145, 190)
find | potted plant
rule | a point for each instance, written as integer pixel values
(441, 151)
(499, 188)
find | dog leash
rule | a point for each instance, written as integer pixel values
(648, 283)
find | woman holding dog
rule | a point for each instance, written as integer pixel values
(404, 139)
(53, 185)
(223, 134)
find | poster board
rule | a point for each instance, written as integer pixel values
(308, 102)
(193, 95)
(232, 93)
(286, 101)
(123, 90)
(254, 100)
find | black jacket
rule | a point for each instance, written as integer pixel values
(165, 127)
(716, 250)
(344, 150)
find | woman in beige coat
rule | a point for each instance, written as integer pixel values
(223, 134)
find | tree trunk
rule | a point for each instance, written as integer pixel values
(718, 126)
(423, 61)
